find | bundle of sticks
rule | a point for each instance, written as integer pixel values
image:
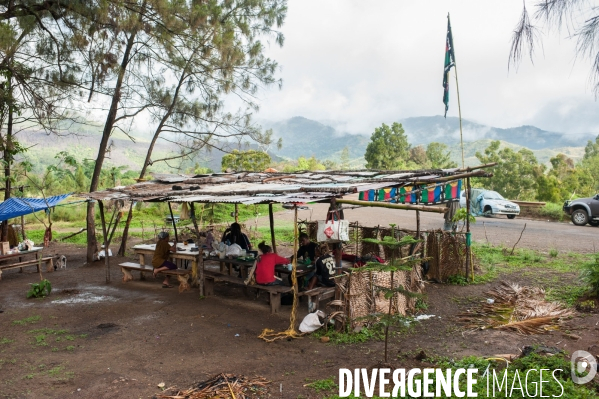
(223, 386)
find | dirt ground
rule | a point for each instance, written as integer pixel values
(122, 339)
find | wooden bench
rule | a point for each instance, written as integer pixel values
(183, 275)
(33, 262)
(274, 291)
(316, 295)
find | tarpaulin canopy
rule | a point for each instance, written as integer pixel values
(14, 207)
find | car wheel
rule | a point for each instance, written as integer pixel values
(580, 217)
(488, 212)
(511, 216)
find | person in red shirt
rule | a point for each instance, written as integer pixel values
(265, 268)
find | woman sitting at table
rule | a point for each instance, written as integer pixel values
(265, 268)
(233, 235)
(160, 260)
(325, 268)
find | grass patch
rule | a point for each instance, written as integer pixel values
(54, 372)
(340, 338)
(501, 259)
(374, 332)
(283, 234)
(47, 331)
(556, 273)
(28, 320)
(323, 385)
(40, 340)
(568, 294)
(6, 341)
(553, 211)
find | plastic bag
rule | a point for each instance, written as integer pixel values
(312, 322)
(233, 250)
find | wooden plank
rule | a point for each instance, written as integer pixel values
(240, 282)
(26, 263)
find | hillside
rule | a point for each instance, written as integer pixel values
(305, 137)
(302, 136)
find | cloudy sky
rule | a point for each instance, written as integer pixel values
(362, 63)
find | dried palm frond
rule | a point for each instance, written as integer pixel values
(223, 386)
(517, 308)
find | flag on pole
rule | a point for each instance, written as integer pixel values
(449, 62)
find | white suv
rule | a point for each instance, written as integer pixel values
(488, 203)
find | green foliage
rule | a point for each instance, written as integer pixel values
(250, 160)
(439, 156)
(388, 148)
(590, 275)
(516, 173)
(5, 341)
(372, 333)
(436, 156)
(553, 211)
(553, 252)
(310, 164)
(461, 215)
(40, 290)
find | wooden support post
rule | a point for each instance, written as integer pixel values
(116, 223)
(106, 257)
(468, 194)
(236, 213)
(192, 209)
(170, 209)
(271, 218)
(23, 228)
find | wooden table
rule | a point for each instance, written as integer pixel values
(227, 263)
(37, 251)
(183, 252)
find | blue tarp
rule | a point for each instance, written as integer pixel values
(14, 207)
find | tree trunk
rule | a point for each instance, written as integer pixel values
(123, 246)
(7, 158)
(92, 245)
(148, 159)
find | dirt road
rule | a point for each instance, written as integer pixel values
(539, 234)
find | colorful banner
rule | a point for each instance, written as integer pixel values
(415, 194)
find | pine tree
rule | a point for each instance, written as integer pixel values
(392, 266)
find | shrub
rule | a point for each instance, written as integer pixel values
(590, 275)
(40, 290)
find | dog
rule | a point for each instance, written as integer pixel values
(61, 263)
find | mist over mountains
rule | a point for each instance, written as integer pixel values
(305, 137)
(302, 136)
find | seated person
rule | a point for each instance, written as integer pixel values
(233, 235)
(307, 249)
(265, 268)
(325, 268)
(160, 260)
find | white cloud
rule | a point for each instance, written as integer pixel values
(365, 63)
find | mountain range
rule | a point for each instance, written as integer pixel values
(302, 136)
(305, 137)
